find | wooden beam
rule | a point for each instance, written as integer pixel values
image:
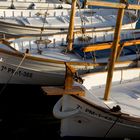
(97, 47)
(69, 77)
(126, 44)
(7, 43)
(131, 42)
(123, 5)
(72, 70)
(114, 52)
(68, 85)
(103, 46)
(51, 90)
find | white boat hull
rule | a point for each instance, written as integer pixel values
(92, 121)
(37, 68)
(33, 72)
(21, 22)
(23, 30)
(42, 71)
(38, 5)
(28, 76)
(91, 115)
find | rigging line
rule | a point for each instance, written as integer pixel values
(134, 36)
(112, 125)
(82, 22)
(1, 91)
(45, 15)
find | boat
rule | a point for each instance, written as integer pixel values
(86, 113)
(45, 56)
(100, 104)
(20, 22)
(33, 4)
(29, 60)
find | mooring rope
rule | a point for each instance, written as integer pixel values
(1, 91)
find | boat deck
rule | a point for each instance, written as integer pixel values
(126, 95)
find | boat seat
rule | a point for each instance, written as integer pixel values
(62, 19)
(56, 21)
(100, 18)
(67, 18)
(111, 19)
(90, 55)
(23, 21)
(34, 21)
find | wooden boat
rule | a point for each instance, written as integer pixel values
(33, 4)
(82, 41)
(29, 60)
(104, 104)
(46, 56)
(91, 115)
(29, 22)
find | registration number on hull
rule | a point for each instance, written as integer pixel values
(16, 72)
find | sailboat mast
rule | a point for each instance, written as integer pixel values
(71, 26)
(114, 51)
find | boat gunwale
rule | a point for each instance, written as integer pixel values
(66, 28)
(29, 57)
(120, 115)
(34, 58)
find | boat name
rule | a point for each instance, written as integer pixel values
(18, 72)
(93, 113)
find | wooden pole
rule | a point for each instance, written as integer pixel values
(114, 52)
(112, 4)
(69, 76)
(71, 26)
(103, 46)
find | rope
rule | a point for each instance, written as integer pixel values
(1, 91)
(126, 4)
(42, 29)
(137, 49)
(83, 30)
(82, 22)
(112, 125)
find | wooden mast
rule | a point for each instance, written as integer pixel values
(114, 51)
(71, 26)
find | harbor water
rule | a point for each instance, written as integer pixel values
(25, 112)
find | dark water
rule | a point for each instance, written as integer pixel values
(26, 113)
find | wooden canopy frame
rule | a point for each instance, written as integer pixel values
(114, 46)
(121, 5)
